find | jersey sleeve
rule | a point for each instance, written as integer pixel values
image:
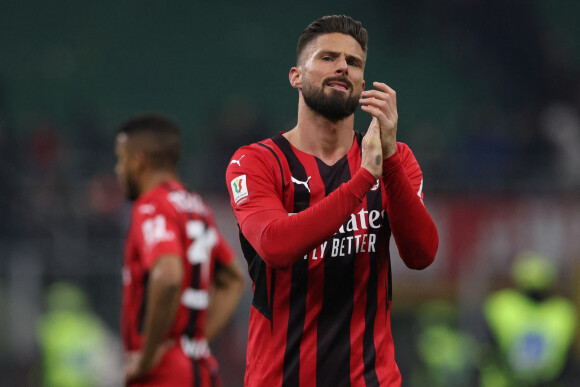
(280, 239)
(413, 229)
(254, 185)
(159, 230)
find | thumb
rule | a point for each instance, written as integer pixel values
(374, 128)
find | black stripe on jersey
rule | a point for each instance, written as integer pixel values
(299, 281)
(195, 280)
(258, 273)
(279, 164)
(333, 341)
(191, 324)
(374, 202)
(143, 308)
(196, 373)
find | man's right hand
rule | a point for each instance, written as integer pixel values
(372, 151)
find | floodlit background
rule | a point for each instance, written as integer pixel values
(489, 100)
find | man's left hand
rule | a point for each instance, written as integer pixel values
(382, 104)
(133, 369)
(137, 368)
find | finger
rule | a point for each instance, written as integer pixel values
(389, 98)
(377, 113)
(388, 109)
(374, 127)
(382, 101)
(383, 91)
(385, 88)
(372, 138)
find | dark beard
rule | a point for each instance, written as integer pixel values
(334, 106)
(132, 188)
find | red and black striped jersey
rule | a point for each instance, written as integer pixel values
(316, 239)
(170, 220)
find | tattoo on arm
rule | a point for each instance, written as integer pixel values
(378, 160)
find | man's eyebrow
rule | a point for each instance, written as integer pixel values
(335, 54)
(331, 53)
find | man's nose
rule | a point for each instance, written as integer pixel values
(341, 66)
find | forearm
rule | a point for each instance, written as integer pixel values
(221, 308)
(413, 229)
(162, 304)
(281, 239)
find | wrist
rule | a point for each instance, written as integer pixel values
(145, 363)
(389, 152)
(391, 163)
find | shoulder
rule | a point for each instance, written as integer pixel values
(260, 157)
(264, 150)
(169, 200)
(259, 167)
(150, 204)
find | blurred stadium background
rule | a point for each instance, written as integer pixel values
(489, 101)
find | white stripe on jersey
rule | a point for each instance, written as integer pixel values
(195, 299)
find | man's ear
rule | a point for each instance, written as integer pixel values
(295, 77)
(363, 85)
(139, 161)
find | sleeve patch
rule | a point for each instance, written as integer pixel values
(239, 189)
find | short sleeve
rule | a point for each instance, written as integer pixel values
(159, 231)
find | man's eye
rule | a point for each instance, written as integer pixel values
(326, 58)
(353, 63)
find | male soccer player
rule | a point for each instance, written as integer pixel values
(181, 283)
(316, 207)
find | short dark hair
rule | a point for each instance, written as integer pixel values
(157, 136)
(329, 24)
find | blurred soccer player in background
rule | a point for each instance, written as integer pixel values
(181, 283)
(316, 208)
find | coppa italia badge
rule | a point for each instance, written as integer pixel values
(239, 189)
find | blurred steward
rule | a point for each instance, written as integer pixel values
(532, 329)
(447, 355)
(77, 348)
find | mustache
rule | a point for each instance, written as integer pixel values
(338, 79)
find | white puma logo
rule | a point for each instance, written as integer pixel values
(237, 161)
(305, 183)
(375, 186)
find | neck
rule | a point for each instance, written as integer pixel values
(320, 137)
(153, 178)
